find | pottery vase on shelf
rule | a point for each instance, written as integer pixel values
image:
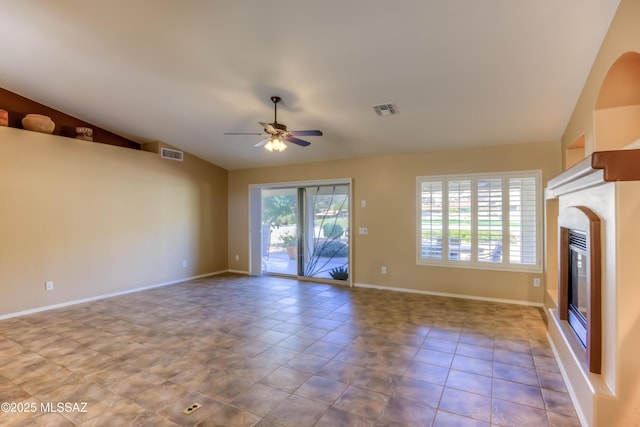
(38, 123)
(84, 133)
(4, 118)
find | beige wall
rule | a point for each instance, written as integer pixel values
(623, 37)
(388, 184)
(98, 219)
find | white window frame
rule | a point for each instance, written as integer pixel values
(474, 263)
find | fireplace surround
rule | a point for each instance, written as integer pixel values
(602, 190)
(579, 279)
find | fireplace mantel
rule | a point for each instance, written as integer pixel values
(596, 169)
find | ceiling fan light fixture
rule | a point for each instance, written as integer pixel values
(275, 144)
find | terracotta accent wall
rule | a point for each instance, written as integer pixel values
(19, 106)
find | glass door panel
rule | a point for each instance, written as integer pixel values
(326, 231)
(280, 231)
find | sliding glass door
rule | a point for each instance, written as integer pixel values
(326, 232)
(280, 230)
(304, 230)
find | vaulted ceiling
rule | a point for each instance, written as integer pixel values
(462, 73)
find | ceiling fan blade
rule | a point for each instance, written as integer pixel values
(262, 142)
(294, 140)
(242, 133)
(305, 132)
(268, 127)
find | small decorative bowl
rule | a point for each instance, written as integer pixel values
(38, 123)
(84, 133)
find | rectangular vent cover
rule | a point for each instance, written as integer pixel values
(168, 153)
(578, 240)
(385, 109)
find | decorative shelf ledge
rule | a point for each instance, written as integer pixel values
(18, 106)
(598, 168)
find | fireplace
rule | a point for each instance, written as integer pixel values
(598, 198)
(579, 293)
(577, 285)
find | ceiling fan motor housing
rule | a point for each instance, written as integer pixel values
(279, 126)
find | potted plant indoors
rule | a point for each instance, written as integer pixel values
(290, 242)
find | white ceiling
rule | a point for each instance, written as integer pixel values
(463, 73)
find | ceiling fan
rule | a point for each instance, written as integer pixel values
(276, 133)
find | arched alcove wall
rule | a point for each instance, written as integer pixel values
(617, 109)
(574, 152)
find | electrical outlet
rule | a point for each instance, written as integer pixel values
(383, 270)
(237, 257)
(536, 282)
(184, 263)
(363, 230)
(48, 285)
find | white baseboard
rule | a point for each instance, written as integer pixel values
(567, 382)
(449, 295)
(246, 273)
(99, 297)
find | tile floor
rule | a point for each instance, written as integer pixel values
(276, 352)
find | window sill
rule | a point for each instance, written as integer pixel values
(494, 267)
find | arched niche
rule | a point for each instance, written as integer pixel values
(574, 152)
(617, 110)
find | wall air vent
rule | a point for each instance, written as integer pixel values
(168, 153)
(385, 109)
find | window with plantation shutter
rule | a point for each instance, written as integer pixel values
(522, 221)
(431, 202)
(480, 220)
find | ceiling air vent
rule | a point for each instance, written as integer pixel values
(385, 109)
(168, 153)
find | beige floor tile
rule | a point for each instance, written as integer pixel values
(297, 411)
(274, 352)
(338, 418)
(365, 403)
(467, 381)
(448, 419)
(399, 412)
(260, 399)
(466, 404)
(518, 393)
(321, 389)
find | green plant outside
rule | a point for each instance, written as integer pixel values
(288, 239)
(332, 231)
(339, 273)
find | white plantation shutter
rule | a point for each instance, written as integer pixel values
(430, 196)
(458, 209)
(522, 220)
(481, 221)
(489, 220)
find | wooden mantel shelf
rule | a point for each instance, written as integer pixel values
(598, 168)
